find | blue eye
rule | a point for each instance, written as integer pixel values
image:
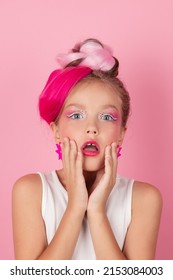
(108, 117)
(75, 116)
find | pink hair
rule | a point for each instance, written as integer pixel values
(57, 88)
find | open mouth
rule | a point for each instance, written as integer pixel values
(90, 148)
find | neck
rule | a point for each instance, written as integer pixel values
(90, 177)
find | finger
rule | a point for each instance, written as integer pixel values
(108, 160)
(114, 155)
(73, 154)
(65, 153)
(79, 163)
(114, 160)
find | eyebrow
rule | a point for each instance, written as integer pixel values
(110, 106)
(76, 105)
(83, 106)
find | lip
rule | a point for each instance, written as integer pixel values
(90, 153)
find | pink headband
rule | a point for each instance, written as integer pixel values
(57, 88)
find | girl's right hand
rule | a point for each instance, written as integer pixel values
(74, 179)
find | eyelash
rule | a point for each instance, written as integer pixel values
(73, 114)
(112, 117)
(101, 114)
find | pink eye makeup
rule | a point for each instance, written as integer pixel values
(79, 113)
(109, 116)
(75, 114)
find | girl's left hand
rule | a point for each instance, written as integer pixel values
(105, 180)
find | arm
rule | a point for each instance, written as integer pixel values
(63, 244)
(142, 234)
(28, 226)
(104, 241)
(141, 237)
(29, 231)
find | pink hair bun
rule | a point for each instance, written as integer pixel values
(92, 54)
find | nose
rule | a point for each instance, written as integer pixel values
(91, 130)
(92, 126)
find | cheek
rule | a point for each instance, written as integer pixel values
(70, 129)
(111, 132)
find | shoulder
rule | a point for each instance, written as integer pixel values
(146, 195)
(29, 181)
(143, 230)
(28, 186)
(28, 225)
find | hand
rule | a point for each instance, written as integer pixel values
(105, 180)
(73, 174)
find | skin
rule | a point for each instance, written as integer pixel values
(88, 181)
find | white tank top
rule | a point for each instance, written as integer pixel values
(54, 203)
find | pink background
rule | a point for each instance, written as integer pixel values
(140, 32)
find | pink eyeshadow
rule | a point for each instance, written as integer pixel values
(113, 114)
(68, 112)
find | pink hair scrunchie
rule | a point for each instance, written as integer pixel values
(93, 54)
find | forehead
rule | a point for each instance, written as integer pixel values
(94, 93)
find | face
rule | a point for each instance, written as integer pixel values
(92, 112)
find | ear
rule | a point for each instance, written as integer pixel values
(122, 134)
(55, 131)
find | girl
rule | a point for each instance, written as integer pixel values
(85, 210)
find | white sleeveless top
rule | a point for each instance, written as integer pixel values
(54, 203)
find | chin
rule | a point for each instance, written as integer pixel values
(92, 164)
